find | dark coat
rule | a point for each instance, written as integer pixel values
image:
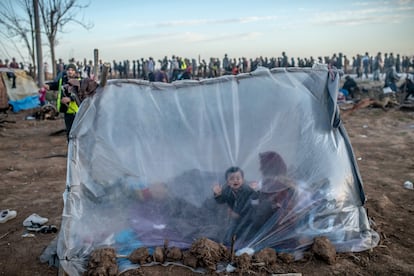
(239, 201)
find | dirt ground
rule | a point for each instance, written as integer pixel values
(33, 172)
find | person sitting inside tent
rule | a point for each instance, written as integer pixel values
(238, 196)
(277, 195)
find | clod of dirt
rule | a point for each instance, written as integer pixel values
(243, 263)
(139, 255)
(267, 256)
(189, 259)
(159, 255)
(307, 255)
(209, 253)
(286, 257)
(102, 262)
(174, 254)
(324, 249)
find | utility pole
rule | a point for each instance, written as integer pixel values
(95, 61)
(40, 73)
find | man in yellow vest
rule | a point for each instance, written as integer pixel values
(67, 99)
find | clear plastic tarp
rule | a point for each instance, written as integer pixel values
(144, 157)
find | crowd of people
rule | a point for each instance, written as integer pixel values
(176, 67)
(380, 67)
(167, 69)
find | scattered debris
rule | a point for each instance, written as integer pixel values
(47, 112)
(4, 235)
(58, 132)
(3, 120)
(385, 103)
(408, 185)
(407, 107)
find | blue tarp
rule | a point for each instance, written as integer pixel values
(25, 103)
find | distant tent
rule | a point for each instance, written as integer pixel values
(24, 96)
(143, 158)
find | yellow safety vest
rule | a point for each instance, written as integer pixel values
(183, 65)
(72, 107)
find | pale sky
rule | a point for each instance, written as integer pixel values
(131, 29)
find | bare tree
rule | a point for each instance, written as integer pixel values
(40, 73)
(55, 15)
(18, 26)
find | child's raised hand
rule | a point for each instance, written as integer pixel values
(217, 189)
(254, 185)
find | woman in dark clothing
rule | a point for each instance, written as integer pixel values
(277, 197)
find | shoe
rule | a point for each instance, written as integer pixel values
(43, 229)
(48, 229)
(6, 215)
(33, 220)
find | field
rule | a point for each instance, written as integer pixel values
(33, 173)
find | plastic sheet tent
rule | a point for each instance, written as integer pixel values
(143, 158)
(24, 95)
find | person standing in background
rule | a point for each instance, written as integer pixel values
(67, 99)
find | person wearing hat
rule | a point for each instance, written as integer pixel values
(67, 99)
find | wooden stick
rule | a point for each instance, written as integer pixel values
(95, 65)
(7, 121)
(233, 240)
(5, 235)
